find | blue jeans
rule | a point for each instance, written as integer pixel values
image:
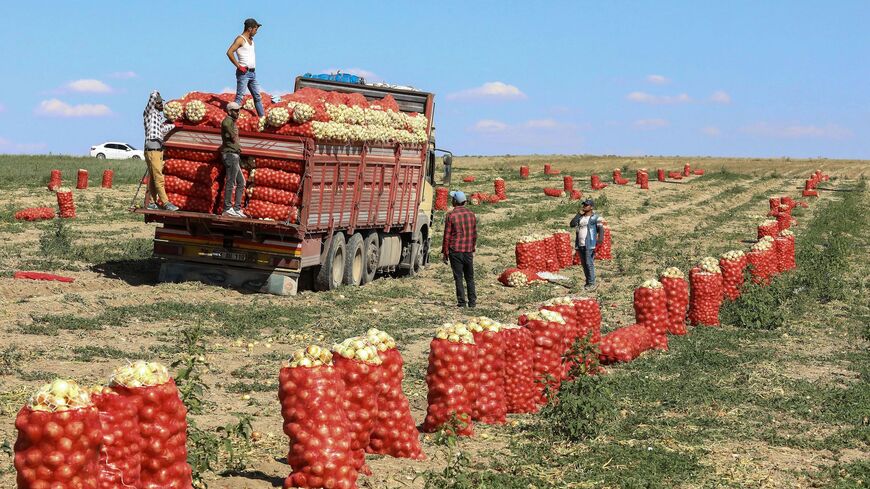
(587, 259)
(249, 79)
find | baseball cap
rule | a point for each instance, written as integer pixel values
(589, 202)
(458, 195)
(233, 106)
(251, 23)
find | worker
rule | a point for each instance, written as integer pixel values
(447, 159)
(588, 227)
(242, 56)
(460, 243)
(231, 152)
(156, 128)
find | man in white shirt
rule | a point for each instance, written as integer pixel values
(588, 226)
(242, 55)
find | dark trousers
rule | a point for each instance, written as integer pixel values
(463, 268)
(587, 259)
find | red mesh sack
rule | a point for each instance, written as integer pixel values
(524, 172)
(490, 406)
(191, 155)
(260, 209)
(698, 172)
(768, 228)
(191, 204)
(565, 250)
(784, 220)
(200, 190)
(617, 175)
(441, 197)
(568, 183)
(526, 255)
(82, 179)
(520, 393)
(500, 189)
(65, 204)
(362, 381)
(732, 264)
(108, 176)
(773, 203)
(675, 175)
(554, 192)
(452, 382)
(268, 177)
(35, 214)
(757, 267)
(195, 171)
(290, 166)
(548, 332)
(54, 181)
(660, 174)
(596, 183)
(604, 249)
(705, 297)
(677, 294)
(163, 425)
(58, 449)
(121, 454)
(547, 168)
(588, 314)
(651, 311)
(687, 170)
(395, 433)
(316, 423)
(273, 195)
(624, 344)
(785, 251)
(41, 276)
(643, 180)
(565, 307)
(551, 247)
(469, 179)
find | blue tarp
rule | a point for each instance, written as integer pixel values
(339, 77)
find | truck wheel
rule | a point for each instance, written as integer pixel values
(332, 269)
(372, 256)
(417, 261)
(354, 262)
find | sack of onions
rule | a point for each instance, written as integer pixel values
(660, 174)
(565, 307)
(588, 314)
(121, 454)
(269, 177)
(520, 393)
(604, 248)
(311, 393)
(564, 248)
(469, 179)
(500, 189)
(359, 367)
(687, 170)
(547, 168)
(490, 405)
(784, 219)
(596, 183)
(706, 293)
(548, 332)
(59, 437)
(675, 175)
(651, 311)
(698, 171)
(451, 378)
(441, 198)
(189, 203)
(108, 176)
(192, 170)
(624, 344)
(82, 179)
(394, 433)
(553, 192)
(785, 251)
(617, 175)
(524, 172)
(732, 265)
(162, 421)
(54, 181)
(65, 203)
(768, 228)
(677, 293)
(35, 214)
(763, 260)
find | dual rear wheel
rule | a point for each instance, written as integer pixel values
(349, 262)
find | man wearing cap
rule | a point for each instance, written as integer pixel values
(156, 128)
(460, 243)
(243, 57)
(231, 151)
(588, 226)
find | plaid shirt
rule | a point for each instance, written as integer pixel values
(156, 127)
(460, 231)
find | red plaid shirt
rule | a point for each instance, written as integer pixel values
(460, 231)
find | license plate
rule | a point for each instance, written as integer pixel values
(228, 255)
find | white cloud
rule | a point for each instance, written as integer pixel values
(489, 125)
(124, 75)
(58, 108)
(7, 145)
(542, 123)
(492, 90)
(657, 79)
(368, 75)
(712, 131)
(797, 131)
(647, 98)
(720, 97)
(88, 85)
(651, 123)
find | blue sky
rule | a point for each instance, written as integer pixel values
(772, 78)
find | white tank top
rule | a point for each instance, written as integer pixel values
(246, 54)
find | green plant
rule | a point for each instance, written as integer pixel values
(10, 360)
(56, 240)
(189, 369)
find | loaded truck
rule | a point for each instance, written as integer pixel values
(363, 210)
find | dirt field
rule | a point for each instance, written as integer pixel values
(115, 310)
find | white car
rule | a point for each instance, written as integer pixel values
(116, 151)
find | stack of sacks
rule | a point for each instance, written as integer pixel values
(273, 189)
(193, 179)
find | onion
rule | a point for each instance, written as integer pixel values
(140, 373)
(358, 348)
(455, 332)
(60, 395)
(673, 272)
(173, 110)
(710, 265)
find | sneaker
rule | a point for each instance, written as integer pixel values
(590, 287)
(460, 305)
(240, 213)
(170, 207)
(230, 213)
(153, 206)
(472, 306)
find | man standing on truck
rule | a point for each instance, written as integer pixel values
(460, 243)
(246, 64)
(588, 226)
(231, 151)
(156, 129)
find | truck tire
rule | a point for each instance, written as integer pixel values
(372, 256)
(416, 261)
(354, 261)
(332, 269)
